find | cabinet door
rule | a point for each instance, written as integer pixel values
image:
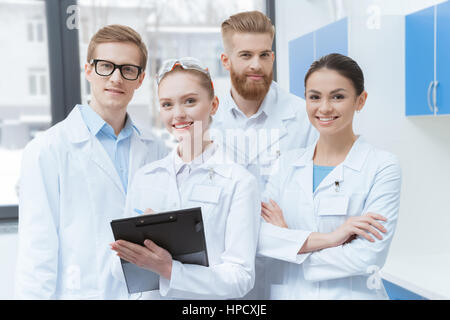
(332, 38)
(301, 55)
(419, 60)
(443, 58)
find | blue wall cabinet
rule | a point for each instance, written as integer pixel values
(427, 66)
(398, 293)
(303, 51)
(443, 58)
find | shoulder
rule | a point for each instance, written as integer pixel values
(294, 107)
(52, 140)
(153, 167)
(382, 160)
(147, 135)
(285, 97)
(290, 157)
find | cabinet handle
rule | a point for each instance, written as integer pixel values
(435, 108)
(429, 96)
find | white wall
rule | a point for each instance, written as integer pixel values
(422, 144)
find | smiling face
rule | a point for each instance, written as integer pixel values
(249, 59)
(331, 102)
(185, 105)
(112, 93)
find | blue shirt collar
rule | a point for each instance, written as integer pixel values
(96, 124)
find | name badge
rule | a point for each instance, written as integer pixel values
(204, 193)
(333, 205)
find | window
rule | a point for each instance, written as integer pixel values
(24, 93)
(170, 28)
(38, 82)
(35, 30)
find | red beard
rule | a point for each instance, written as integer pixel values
(248, 89)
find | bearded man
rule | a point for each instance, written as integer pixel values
(256, 119)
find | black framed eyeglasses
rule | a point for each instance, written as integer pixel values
(106, 68)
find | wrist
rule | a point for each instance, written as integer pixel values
(330, 239)
(167, 273)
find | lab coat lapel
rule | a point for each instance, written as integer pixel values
(304, 177)
(99, 156)
(79, 134)
(354, 160)
(336, 175)
(138, 154)
(274, 128)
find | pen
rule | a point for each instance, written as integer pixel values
(138, 211)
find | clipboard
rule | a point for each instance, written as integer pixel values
(180, 232)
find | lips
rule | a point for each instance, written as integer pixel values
(182, 125)
(255, 76)
(114, 91)
(326, 120)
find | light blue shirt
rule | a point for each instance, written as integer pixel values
(117, 147)
(319, 173)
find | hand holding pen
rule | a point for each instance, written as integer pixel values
(147, 211)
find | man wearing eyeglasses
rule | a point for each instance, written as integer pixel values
(75, 176)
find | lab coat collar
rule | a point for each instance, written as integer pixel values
(218, 162)
(269, 105)
(276, 110)
(355, 158)
(78, 130)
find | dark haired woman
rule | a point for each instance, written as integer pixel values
(332, 208)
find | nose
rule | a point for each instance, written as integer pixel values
(179, 112)
(326, 107)
(255, 64)
(116, 76)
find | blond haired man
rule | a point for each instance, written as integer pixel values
(272, 120)
(257, 120)
(74, 179)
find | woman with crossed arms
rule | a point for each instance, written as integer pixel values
(331, 210)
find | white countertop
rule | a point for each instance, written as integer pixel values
(427, 275)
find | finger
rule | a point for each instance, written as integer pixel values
(263, 204)
(150, 245)
(126, 254)
(137, 249)
(267, 211)
(363, 225)
(274, 204)
(363, 234)
(126, 257)
(148, 211)
(376, 216)
(265, 218)
(378, 225)
(369, 228)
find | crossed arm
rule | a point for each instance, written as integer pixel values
(347, 232)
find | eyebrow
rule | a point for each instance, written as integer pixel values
(248, 51)
(189, 94)
(182, 97)
(334, 91)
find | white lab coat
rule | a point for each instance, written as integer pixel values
(231, 208)
(69, 193)
(286, 127)
(370, 179)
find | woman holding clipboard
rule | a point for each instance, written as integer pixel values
(196, 174)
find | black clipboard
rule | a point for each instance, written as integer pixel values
(180, 232)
